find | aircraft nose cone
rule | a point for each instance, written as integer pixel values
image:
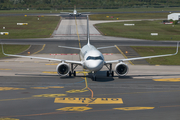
(94, 65)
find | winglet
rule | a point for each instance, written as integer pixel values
(88, 30)
(2, 48)
(177, 48)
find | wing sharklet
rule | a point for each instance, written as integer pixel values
(140, 58)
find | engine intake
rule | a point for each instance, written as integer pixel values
(121, 69)
(62, 69)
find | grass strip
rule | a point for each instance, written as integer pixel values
(42, 28)
(141, 30)
(13, 49)
(129, 16)
(151, 51)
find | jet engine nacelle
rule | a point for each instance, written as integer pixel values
(63, 69)
(121, 69)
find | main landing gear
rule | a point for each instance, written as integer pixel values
(110, 72)
(73, 67)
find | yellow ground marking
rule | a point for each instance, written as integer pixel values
(40, 50)
(168, 80)
(77, 91)
(49, 72)
(53, 64)
(88, 100)
(134, 108)
(10, 88)
(123, 54)
(78, 72)
(83, 72)
(82, 90)
(8, 119)
(50, 95)
(56, 87)
(47, 87)
(169, 106)
(82, 108)
(17, 99)
(77, 33)
(39, 88)
(4, 69)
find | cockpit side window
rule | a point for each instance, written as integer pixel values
(94, 58)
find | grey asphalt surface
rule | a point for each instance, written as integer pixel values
(28, 93)
(23, 105)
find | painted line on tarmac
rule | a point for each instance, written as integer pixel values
(5, 69)
(53, 64)
(168, 80)
(88, 101)
(169, 106)
(8, 119)
(56, 87)
(134, 108)
(40, 50)
(50, 95)
(78, 72)
(50, 72)
(61, 112)
(81, 108)
(77, 33)
(10, 88)
(123, 54)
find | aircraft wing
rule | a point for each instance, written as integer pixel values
(42, 58)
(140, 58)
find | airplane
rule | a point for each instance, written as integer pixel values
(91, 60)
(74, 13)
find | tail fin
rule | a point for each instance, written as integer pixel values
(88, 30)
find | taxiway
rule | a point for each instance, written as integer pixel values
(32, 90)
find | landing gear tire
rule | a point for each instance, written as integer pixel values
(70, 74)
(107, 73)
(74, 73)
(112, 73)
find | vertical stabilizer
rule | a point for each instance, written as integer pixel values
(88, 30)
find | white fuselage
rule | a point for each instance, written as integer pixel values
(93, 60)
(74, 12)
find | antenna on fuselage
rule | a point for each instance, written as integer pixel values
(88, 30)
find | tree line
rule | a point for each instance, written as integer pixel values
(85, 4)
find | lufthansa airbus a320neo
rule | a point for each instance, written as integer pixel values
(92, 60)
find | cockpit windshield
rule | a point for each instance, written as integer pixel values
(94, 58)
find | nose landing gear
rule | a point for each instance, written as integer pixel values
(93, 76)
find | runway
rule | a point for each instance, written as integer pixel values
(32, 90)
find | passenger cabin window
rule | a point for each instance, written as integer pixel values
(94, 58)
